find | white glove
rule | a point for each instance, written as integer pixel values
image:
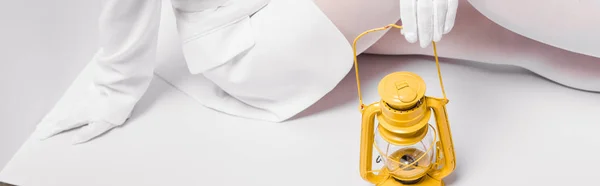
(427, 20)
(78, 116)
(124, 66)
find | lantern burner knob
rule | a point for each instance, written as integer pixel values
(407, 159)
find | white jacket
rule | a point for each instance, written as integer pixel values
(259, 59)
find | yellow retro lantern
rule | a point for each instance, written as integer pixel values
(413, 151)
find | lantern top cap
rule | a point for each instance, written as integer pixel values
(401, 90)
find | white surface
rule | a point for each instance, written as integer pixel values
(506, 123)
(45, 44)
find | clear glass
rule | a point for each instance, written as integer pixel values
(407, 161)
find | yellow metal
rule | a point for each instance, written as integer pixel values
(403, 114)
(401, 90)
(425, 181)
(446, 145)
(366, 145)
(403, 127)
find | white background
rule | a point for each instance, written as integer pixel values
(43, 46)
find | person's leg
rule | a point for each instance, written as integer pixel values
(352, 17)
(476, 38)
(298, 57)
(569, 25)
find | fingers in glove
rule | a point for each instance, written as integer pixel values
(425, 22)
(408, 15)
(91, 131)
(440, 9)
(450, 15)
(76, 117)
(60, 126)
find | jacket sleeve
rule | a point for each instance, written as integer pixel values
(128, 31)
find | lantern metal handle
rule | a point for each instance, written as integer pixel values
(435, 55)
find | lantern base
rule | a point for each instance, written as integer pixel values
(426, 181)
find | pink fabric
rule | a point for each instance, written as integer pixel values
(352, 17)
(572, 25)
(477, 38)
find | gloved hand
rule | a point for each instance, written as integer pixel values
(80, 115)
(124, 66)
(427, 20)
